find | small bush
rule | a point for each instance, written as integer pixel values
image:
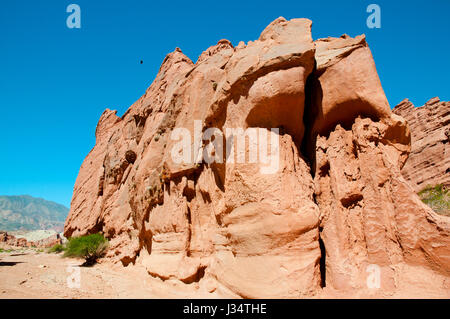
(57, 249)
(89, 247)
(437, 197)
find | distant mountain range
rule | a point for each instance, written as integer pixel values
(30, 213)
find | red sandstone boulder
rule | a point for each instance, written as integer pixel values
(17, 242)
(3, 236)
(47, 242)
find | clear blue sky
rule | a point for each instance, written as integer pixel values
(55, 82)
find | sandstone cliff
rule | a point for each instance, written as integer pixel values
(429, 161)
(336, 204)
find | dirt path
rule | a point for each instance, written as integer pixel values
(31, 274)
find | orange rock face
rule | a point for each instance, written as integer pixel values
(334, 203)
(370, 214)
(429, 161)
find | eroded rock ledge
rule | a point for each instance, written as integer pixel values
(337, 203)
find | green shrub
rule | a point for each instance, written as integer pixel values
(437, 197)
(90, 247)
(57, 249)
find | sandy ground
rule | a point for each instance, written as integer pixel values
(30, 273)
(33, 273)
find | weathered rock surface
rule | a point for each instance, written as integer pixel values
(429, 161)
(336, 204)
(370, 214)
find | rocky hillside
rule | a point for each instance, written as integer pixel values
(429, 161)
(29, 213)
(323, 206)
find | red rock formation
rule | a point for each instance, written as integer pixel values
(429, 161)
(11, 240)
(47, 242)
(3, 236)
(234, 227)
(370, 214)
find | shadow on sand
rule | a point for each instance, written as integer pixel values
(10, 263)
